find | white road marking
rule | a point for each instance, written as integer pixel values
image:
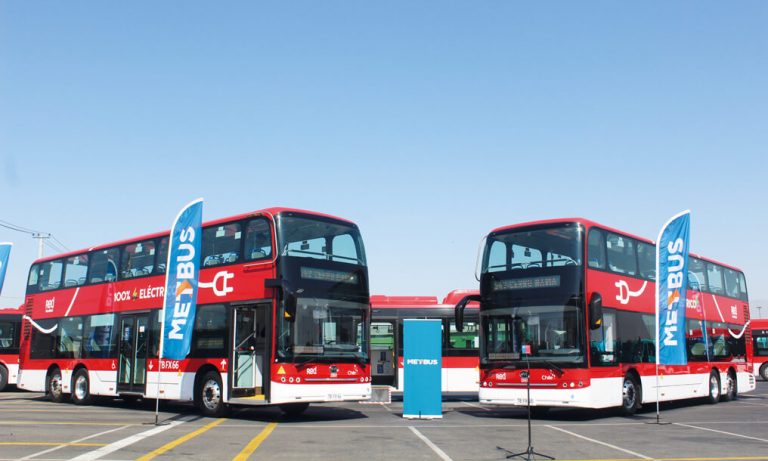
(35, 455)
(120, 444)
(600, 443)
(722, 432)
(469, 426)
(431, 445)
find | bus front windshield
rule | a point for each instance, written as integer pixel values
(310, 237)
(539, 333)
(514, 250)
(325, 329)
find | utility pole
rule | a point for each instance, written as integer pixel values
(40, 236)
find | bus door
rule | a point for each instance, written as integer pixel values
(132, 355)
(250, 351)
(383, 357)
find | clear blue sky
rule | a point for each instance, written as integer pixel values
(427, 123)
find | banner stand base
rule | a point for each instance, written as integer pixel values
(423, 416)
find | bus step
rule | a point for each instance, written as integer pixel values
(380, 394)
(246, 392)
(253, 400)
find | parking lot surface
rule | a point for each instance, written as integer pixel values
(31, 428)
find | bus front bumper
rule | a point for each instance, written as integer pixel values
(294, 393)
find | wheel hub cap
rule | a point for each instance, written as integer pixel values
(211, 394)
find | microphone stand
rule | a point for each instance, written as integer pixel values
(529, 454)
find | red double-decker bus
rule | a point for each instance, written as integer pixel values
(10, 336)
(283, 317)
(574, 300)
(760, 347)
(460, 358)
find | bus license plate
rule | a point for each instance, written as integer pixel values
(334, 397)
(524, 401)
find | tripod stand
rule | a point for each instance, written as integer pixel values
(529, 453)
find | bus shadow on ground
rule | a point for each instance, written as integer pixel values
(645, 414)
(315, 413)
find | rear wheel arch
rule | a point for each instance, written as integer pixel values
(3, 376)
(731, 386)
(209, 392)
(81, 386)
(631, 393)
(54, 383)
(714, 386)
(764, 371)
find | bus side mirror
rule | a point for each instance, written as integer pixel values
(459, 310)
(287, 296)
(595, 311)
(289, 301)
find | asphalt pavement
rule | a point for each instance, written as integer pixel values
(31, 428)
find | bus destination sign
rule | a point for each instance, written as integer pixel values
(528, 283)
(326, 275)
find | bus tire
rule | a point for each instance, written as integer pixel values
(731, 391)
(294, 409)
(3, 377)
(764, 371)
(631, 396)
(209, 395)
(81, 388)
(714, 387)
(54, 386)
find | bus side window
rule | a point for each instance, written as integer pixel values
(466, 339)
(50, 274)
(258, 240)
(697, 275)
(646, 259)
(596, 249)
(162, 255)
(603, 341)
(221, 244)
(138, 259)
(731, 283)
(34, 277)
(75, 270)
(743, 288)
(104, 265)
(715, 277)
(621, 254)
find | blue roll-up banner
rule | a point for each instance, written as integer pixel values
(5, 254)
(672, 283)
(422, 369)
(181, 280)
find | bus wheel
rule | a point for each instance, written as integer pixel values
(294, 409)
(764, 371)
(209, 396)
(714, 387)
(54, 386)
(631, 395)
(730, 387)
(3, 377)
(81, 388)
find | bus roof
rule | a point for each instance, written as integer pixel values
(450, 300)
(265, 212)
(589, 223)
